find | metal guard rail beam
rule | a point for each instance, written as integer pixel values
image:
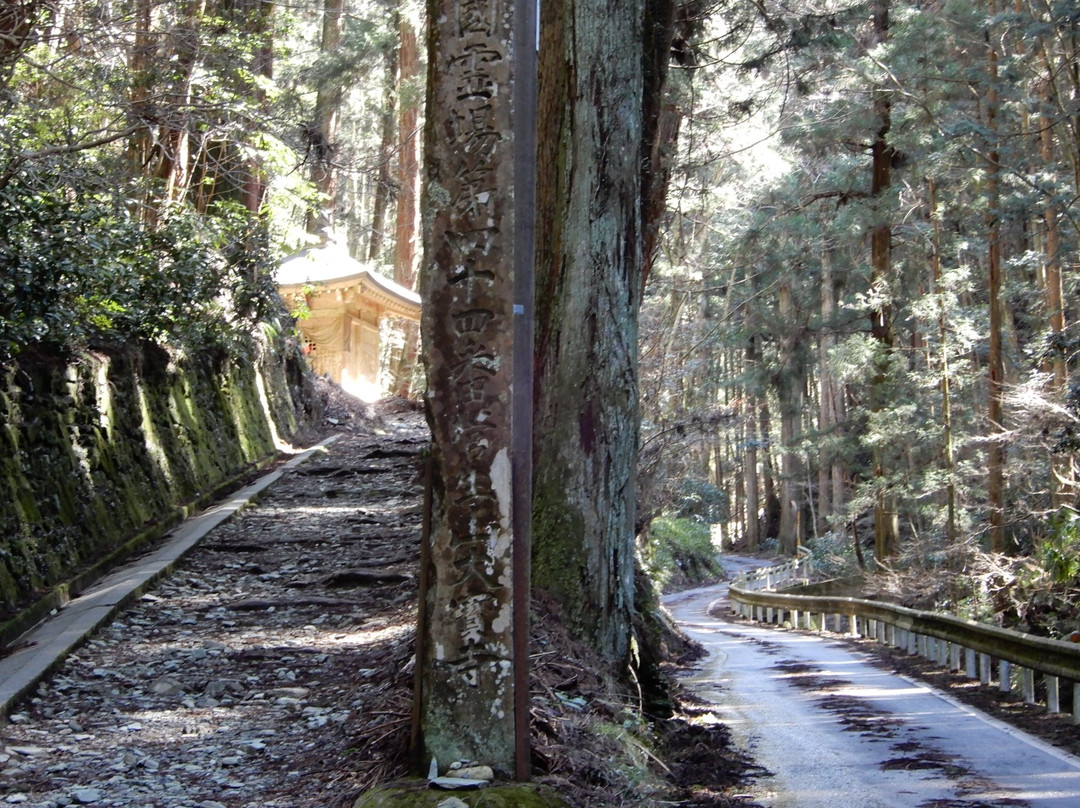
(1050, 657)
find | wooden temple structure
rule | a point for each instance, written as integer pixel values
(346, 304)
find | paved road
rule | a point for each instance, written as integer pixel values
(837, 732)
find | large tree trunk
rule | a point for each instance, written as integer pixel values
(408, 176)
(322, 132)
(383, 180)
(886, 524)
(588, 287)
(947, 440)
(1062, 465)
(408, 167)
(789, 391)
(995, 409)
(17, 26)
(831, 473)
(752, 529)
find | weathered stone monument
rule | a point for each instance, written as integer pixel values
(467, 285)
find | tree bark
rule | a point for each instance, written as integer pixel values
(752, 532)
(322, 132)
(408, 175)
(947, 439)
(408, 166)
(789, 389)
(383, 180)
(1062, 465)
(886, 524)
(588, 288)
(995, 410)
(832, 473)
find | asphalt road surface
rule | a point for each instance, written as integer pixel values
(835, 731)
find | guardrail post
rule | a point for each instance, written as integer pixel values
(912, 643)
(954, 656)
(943, 653)
(1053, 700)
(971, 664)
(853, 625)
(1076, 702)
(1027, 685)
(795, 619)
(984, 668)
(1004, 676)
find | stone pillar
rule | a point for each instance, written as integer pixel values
(467, 699)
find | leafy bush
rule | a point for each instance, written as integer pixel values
(702, 500)
(1059, 552)
(833, 555)
(681, 549)
(78, 266)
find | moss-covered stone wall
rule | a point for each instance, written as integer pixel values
(104, 452)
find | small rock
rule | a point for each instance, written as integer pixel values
(457, 783)
(473, 773)
(452, 802)
(15, 799)
(166, 686)
(25, 751)
(86, 796)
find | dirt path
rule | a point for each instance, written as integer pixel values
(837, 732)
(272, 670)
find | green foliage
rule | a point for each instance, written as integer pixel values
(681, 548)
(833, 555)
(701, 501)
(78, 267)
(1058, 552)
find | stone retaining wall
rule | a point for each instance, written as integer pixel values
(103, 453)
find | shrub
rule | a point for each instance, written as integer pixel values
(681, 549)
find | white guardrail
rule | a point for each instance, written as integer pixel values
(988, 653)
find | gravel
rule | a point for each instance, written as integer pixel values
(259, 674)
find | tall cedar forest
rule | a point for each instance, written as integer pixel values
(842, 237)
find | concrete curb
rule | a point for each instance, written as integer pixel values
(49, 643)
